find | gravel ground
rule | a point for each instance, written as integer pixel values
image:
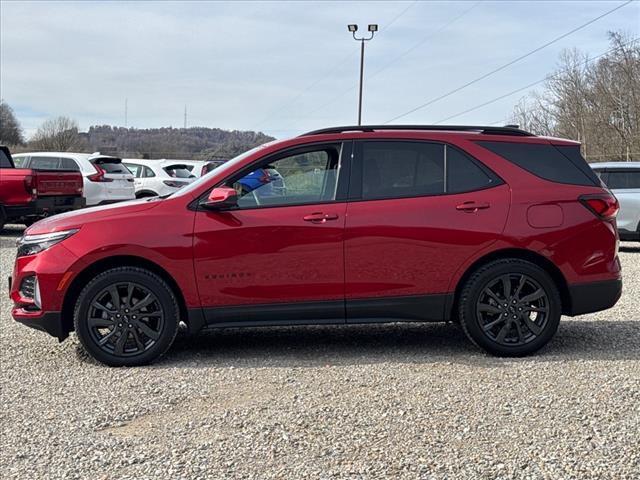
(385, 401)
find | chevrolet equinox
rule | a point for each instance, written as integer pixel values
(492, 228)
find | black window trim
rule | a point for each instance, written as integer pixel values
(344, 174)
(355, 184)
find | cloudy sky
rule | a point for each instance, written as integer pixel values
(283, 67)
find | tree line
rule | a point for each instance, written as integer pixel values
(61, 134)
(595, 101)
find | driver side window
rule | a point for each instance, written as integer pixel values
(309, 177)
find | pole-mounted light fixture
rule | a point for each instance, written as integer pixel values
(353, 28)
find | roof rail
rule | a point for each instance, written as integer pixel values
(488, 130)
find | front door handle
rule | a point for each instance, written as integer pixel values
(472, 207)
(319, 217)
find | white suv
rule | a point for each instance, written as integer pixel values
(105, 179)
(158, 177)
(623, 179)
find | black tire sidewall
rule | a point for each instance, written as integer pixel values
(148, 280)
(478, 282)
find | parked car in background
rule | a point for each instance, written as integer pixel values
(158, 177)
(493, 228)
(105, 179)
(212, 165)
(29, 195)
(623, 179)
(196, 167)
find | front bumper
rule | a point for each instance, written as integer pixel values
(49, 322)
(594, 296)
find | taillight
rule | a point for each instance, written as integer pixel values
(30, 185)
(99, 175)
(604, 206)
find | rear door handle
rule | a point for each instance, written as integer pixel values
(472, 207)
(320, 217)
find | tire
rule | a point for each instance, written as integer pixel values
(135, 329)
(531, 315)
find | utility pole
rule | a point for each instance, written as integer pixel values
(185, 116)
(125, 112)
(353, 28)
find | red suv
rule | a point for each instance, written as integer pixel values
(493, 228)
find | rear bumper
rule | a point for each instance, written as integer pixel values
(49, 322)
(629, 235)
(44, 206)
(594, 296)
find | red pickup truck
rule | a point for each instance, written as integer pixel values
(29, 195)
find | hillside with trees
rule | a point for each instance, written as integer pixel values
(195, 143)
(593, 100)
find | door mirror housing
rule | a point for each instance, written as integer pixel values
(221, 198)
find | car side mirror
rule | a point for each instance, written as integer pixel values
(221, 198)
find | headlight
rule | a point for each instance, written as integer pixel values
(32, 244)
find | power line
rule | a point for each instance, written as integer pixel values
(526, 87)
(329, 73)
(508, 64)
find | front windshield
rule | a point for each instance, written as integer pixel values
(204, 178)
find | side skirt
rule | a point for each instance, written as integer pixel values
(423, 308)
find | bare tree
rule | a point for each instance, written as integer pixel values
(596, 102)
(10, 130)
(58, 134)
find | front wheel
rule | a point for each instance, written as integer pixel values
(126, 316)
(510, 307)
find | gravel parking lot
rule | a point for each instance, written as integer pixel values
(394, 401)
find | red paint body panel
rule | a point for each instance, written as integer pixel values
(411, 246)
(269, 255)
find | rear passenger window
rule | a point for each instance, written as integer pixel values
(44, 163)
(148, 173)
(401, 169)
(69, 164)
(545, 161)
(464, 175)
(392, 169)
(623, 179)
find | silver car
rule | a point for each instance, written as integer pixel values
(623, 179)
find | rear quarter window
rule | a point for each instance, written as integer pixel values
(556, 164)
(69, 164)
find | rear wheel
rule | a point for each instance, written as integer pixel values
(126, 316)
(510, 307)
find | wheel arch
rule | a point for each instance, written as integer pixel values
(522, 254)
(93, 269)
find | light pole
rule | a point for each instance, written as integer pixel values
(373, 28)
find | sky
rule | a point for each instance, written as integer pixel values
(284, 67)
